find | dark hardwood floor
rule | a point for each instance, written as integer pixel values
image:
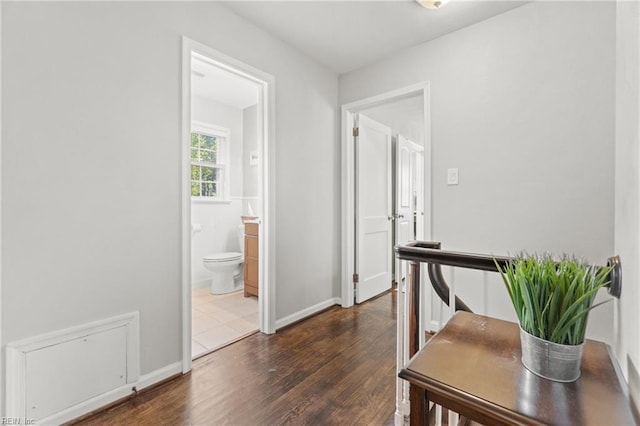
(337, 367)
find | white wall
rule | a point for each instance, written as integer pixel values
(250, 173)
(91, 113)
(523, 105)
(627, 193)
(218, 221)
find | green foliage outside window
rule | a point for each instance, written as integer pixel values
(205, 170)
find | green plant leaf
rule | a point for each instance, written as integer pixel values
(552, 299)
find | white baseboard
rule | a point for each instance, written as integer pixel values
(159, 375)
(297, 316)
(86, 406)
(112, 396)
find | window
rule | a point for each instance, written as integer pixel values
(209, 164)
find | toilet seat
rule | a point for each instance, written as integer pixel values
(223, 257)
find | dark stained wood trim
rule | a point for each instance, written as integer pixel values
(464, 404)
(414, 308)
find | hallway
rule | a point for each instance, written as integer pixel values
(337, 367)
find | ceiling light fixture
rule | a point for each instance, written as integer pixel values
(432, 4)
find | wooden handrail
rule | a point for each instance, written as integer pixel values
(417, 252)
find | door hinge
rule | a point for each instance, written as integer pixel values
(356, 131)
(355, 278)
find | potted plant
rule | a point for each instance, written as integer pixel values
(552, 300)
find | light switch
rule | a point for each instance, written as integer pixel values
(452, 176)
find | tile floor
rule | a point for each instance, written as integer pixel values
(218, 320)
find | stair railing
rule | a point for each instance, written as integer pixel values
(418, 252)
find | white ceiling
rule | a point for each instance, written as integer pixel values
(211, 82)
(346, 35)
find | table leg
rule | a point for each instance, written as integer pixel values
(419, 408)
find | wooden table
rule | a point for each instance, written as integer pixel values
(472, 366)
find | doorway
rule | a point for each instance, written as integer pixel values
(385, 117)
(225, 206)
(384, 123)
(227, 140)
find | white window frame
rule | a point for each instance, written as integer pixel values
(222, 154)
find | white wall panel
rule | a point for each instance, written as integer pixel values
(59, 376)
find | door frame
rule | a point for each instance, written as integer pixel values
(266, 154)
(348, 176)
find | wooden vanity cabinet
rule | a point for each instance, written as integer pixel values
(250, 259)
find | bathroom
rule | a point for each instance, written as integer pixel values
(224, 205)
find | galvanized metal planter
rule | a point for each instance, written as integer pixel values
(552, 361)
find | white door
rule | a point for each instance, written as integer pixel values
(374, 251)
(409, 197)
(404, 201)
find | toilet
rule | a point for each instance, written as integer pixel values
(226, 267)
